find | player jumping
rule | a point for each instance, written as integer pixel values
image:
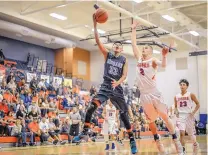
(151, 98)
(115, 72)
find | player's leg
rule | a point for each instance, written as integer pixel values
(190, 128)
(182, 139)
(100, 98)
(162, 110)
(120, 104)
(152, 115)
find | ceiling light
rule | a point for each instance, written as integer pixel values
(55, 15)
(128, 41)
(167, 17)
(138, 1)
(156, 52)
(99, 31)
(86, 26)
(194, 33)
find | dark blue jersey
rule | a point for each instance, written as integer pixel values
(113, 68)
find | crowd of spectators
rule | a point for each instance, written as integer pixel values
(48, 109)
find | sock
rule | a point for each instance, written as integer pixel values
(184, 149)
(174, 136)
(131, 136)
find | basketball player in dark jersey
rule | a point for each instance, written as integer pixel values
(115, 72)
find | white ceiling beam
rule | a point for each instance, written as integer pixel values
(156, 11)
(50, 7)
(145, 22)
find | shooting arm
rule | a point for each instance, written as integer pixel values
(137, 53)
(100, 45)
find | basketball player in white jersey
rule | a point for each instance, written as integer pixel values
(184, 109)
(151, 98)
(110, 125)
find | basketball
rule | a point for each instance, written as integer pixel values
(101, 15)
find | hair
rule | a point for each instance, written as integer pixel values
(184, 81)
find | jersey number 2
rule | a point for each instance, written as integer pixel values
(142, 71)
(183, 104)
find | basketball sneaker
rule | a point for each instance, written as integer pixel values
(77, 139)
(195, 148)
(133, 147)
(107, 147)
(113, 146)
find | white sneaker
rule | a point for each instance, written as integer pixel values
(178, 146)
(195, 148)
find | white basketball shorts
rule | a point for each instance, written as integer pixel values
(153, 104)
(186, 124)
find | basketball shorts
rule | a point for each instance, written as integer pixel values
(153, 105)
(115, 95)
(186, 123)
(109, 127)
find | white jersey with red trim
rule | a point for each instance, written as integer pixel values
(184, 103)
(110, 112)
(146, 75)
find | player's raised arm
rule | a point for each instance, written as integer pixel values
(104, 112)
(100, 45)
(164, 56)
(136, 51)
(193, 97)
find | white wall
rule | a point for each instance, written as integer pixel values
(167, 81)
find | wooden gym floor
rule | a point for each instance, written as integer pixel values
(146, 147)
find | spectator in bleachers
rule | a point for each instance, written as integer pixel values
(65, 128)
(21, 104)
(21, 113)
(54, 131)
(92, 91)
(41, 85)
(56, 85)
(3, 84)
(35, 106)
(11, 76)
(25, 133)
(33, 84)
(33, 113)
(75, 119)
(34, 128)
(12, 85)
(3, 108)
(28, 100)
(44, 108)
(8, 96)
(52, 105)
(22, 95)
(9, 122)
(17, 132)
(43, 125)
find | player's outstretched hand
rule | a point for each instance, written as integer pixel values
(134, 25)
(114, 83)
(165, 51)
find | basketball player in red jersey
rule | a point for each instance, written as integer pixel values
(151, 98)
(185, 112)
